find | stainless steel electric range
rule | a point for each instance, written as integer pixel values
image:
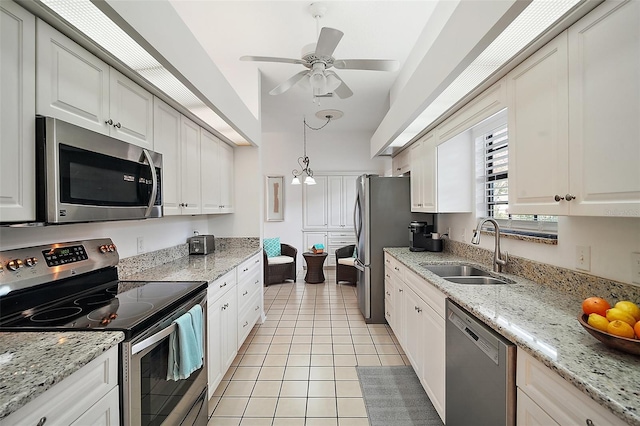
(74, 286)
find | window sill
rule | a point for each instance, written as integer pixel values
(532, 237)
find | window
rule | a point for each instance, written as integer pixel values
(492, 177)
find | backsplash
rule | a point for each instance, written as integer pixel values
(135, 264)
(565, 280)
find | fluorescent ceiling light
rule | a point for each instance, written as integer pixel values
(88, 19)
(528, 26)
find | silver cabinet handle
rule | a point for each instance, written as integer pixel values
(590, 422)
(223, 285)
(400, 290)
(109, 122)
(245, 293)
(567, 197)
(417, 309)
(42, 421)
(118, 125)
(245, 269)
(246, 323)
(257, 307)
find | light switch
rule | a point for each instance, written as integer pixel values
(583, 258)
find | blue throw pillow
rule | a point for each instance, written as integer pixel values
(355, 252)
(272, 246)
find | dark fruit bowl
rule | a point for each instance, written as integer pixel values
(630, 346)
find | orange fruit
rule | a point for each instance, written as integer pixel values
(620, 328)
(630, 308)
(618, 314)
(598, 321)
(636, 328)
(595, 305)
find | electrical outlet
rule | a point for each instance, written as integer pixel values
(140, 245)
(464, 234)
(635, 268)
(583, 258)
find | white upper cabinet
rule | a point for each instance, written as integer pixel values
(538, 131)
(190, 200)
(167, 142)
(424, 171)
(217, 174)
(454, 175)
(314, 204)
(604, 111)
(77, 87)
(573, 119)
(341, 201)
(400, 164)
(17, 129)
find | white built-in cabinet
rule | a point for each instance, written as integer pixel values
(217, 174)
(546, 399)
(166, 125)
(424, 169)
(341, 201)
(573, 119)
(316, 237)
(234, 306)
(190, 197)
(337, 240)
(89, 396)
(314, 204)
(400, 163)
(75, 86)
(17, 103)
(417, 309)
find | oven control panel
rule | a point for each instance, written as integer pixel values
(27, 267)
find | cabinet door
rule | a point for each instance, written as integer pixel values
(538, 131)
(348, 200)
(414, 321)
(311, 238)
(166, 125)
(17, 129)
(314, 204)
(210, 173)
(105, 412)
(429, 174)
(214, 343)
(71, 83)
(226, 165)
(528, 413)
(416, 154)
(190, 165)
(335, 202)
(455, 169)
(433, 369)
(229, 323)
(604, 107)
(131, 110)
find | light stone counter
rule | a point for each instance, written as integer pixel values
(543, 321)
(32, 362)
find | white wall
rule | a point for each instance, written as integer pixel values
(328, 152)
(612, 240)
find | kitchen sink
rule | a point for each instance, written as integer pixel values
(465, 274)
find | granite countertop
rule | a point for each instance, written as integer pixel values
(32, 362)
(543, 322)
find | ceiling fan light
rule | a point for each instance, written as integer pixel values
(318, 80)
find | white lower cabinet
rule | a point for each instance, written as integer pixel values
(551, 400)
(417, 319)
(88, 396)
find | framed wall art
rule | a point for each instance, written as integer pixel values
(275, 198)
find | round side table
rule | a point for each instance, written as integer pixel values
(314, 262)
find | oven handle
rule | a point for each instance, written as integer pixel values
(152, 340)
(154, 178)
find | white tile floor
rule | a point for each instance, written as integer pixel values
(298, 368)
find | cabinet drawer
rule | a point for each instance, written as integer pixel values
(393, 265)
(221, 286)
(68, 400)
(248, 288)
(248, 316)
(389, 291)
(423, 288)
(342, 238)
(558, 398)
(248, 267)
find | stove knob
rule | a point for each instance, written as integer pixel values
(14, 265)
(103, 249)
(31, 261)
(112, 247)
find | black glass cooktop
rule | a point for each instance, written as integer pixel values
(114, 305)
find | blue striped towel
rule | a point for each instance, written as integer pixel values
(186, 345)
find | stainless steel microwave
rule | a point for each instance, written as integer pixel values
(84, 176)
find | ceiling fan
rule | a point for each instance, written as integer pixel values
(318, 59)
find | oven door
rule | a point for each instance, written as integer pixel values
(148, 398)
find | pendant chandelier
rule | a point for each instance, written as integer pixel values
(304, 160)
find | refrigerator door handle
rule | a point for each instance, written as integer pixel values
(359, 265)
(357, 224)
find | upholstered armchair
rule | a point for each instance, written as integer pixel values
(345, 271)
(277, 269)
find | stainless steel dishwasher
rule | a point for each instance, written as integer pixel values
(480, 372)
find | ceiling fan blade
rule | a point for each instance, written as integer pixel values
(367, 64)
(328, 41)
(272, 59)
(343, 90)
(283, 87)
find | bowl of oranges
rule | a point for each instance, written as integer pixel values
(617, 327)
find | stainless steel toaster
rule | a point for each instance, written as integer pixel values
(201, 244)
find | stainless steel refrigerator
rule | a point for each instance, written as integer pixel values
(381, 219)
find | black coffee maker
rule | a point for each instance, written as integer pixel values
(420, 237)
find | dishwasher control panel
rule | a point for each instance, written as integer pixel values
(467, 327)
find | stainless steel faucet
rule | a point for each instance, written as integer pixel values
(498, 261)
